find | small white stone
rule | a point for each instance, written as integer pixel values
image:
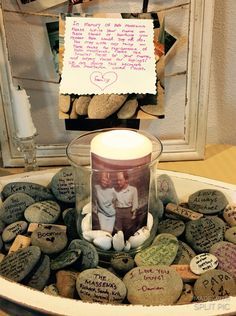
(103, 242)
(203, 262)
(127, 246)
(118, 241)
(139, 237)
(87, 208)
(86, 223)
(149, 221)
(90, 235)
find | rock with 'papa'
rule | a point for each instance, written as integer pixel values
(154, 285)
(100, 285)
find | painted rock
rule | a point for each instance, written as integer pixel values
(184, 254)
(171, 226)
(62, 185)
(122, 263)
(100, 285)
(66, 283)
(225, 252)
(20, 242)
(36, 191)
(163, 252)
(13, 207)
(155, 285)
(50, 239)
(166, 190)
(89, 253)
(17, 265)
(45, 212)
(230, 214)
(230, 234)
(11, 231)
(41, 275)
(65, 259)
(214, 285)
(178, 211)
(203, 262)
(204, 233)
(102, 106)
(207, 201)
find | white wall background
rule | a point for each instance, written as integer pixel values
(222, 97)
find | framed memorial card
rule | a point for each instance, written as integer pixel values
(28, 60)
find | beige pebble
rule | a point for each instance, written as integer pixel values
(20, 242)
(128, 110)
(81, 104)
(63, 116)
(64, 103)
(185, 273)
(33, 226)
(66, 282)
(2, 256)
(73, 114)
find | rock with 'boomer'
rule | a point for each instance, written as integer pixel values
(154, 285)
(100, 285)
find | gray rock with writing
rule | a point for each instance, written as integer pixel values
(13, 207)
(44, 212)
(230, 234)
(166, 190)
(17, 265)
(41, 275)
(214, 285)
(11, 231)
(50, 239)
(162, 252)
(204, 233)
(65, 259)
(128, 110)
(207, 201)
(155, 285)
(37, 191)
(122, 262)
(81, 104)
(171, 226)
(100, 285)
(62, 185)
(89, 256)
(185, 254)
(102, 106)
(225, 252)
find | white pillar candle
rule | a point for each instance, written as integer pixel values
(24, 126)
(120, 181)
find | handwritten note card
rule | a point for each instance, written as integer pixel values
(108, 56)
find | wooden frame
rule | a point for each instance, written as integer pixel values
(188, 146)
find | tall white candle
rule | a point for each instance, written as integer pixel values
(24, 126)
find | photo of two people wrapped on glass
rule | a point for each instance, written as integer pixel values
(120, 201)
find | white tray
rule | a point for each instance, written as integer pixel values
(19, 294)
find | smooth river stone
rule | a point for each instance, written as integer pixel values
(12, 209)
(17, 265)
(66, 283)
(230, 234)
(36, 191)
(163, 251)
(128, 110)
(100, 285)
(65, 259)
(207, 201)
(225, 252)
(186, 296)
(122, 263)
(102, 106)
(81, 104)
(166, 190)
(11, 231)
(41, 275)
(203, 262)
(185, 254)
(62, 185)
(204, 233)
(154, 285)
(89, 253)
(214, 285)
(171, 226)
(50, 239)
(2, 226)
(45, 212)
(230, 214)
(69, 218)
(20, 242)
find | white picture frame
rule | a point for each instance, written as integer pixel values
(189, 144)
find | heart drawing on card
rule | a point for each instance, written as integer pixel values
(102, 81)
